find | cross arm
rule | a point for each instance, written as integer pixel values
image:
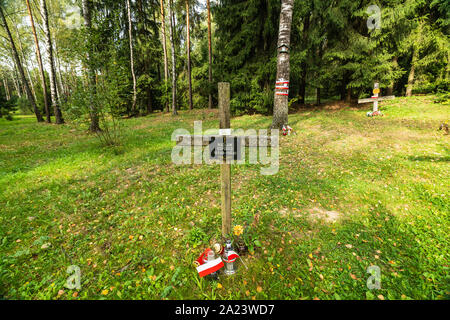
(368, 100)
(248, 141)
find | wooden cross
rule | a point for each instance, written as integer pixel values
(375, 98)
(225, 148)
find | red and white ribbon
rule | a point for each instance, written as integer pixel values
(231, 256)
(210, 267)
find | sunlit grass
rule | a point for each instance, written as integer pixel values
(380, 186)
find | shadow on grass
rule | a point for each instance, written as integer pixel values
(429, 158)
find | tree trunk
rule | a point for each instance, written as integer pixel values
(209, 55)
(411, 73)
(19, 66)
(280, 110)
(95, 126)
(55, 103)
(348, 97)
(164, 44)
(304, 64)
(130, 37)
(5, 84)
(62, 90)
(318, 96)
(415, 57)
(33, 91)
(15, 74)
(41, 67)
(188, 45)
(390, 89)
(174, 75)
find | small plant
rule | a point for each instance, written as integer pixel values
(197, 236)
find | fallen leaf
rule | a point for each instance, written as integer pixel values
(380, 296)
(353, 276)
(259, 289)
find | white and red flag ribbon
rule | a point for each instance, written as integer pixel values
(210, 267)
(232, 256)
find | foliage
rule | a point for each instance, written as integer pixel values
(6, 107)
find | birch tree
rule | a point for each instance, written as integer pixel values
(53, 91)
(94, 126)
(209, 53)
(40, 65)
(174, 71)
(20, 68)
(280, 110)
(164, 44)
(133, 74)
(188, 48)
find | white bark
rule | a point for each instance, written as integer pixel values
(130, 37)
(280, 110)
(53, 90)
(174, 71)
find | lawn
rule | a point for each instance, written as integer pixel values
(351, 192)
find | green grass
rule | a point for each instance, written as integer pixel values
(134, 222)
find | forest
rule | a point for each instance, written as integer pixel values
(87, 60)
(96, 94)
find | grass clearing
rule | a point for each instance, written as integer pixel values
(351, 192)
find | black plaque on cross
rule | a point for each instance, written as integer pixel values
(225, 147)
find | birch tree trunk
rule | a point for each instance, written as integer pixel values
(280, 110)
(19, 66)
(40, 65)
(53, 94)
(15, 75)
(62, 90)
(25, 66)
(95, 126)
(209, 54)
(304, 64)
(164, 44)
(5, 84)
(130, 37)
(188, 45)
(16, 80)
(174, 71)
